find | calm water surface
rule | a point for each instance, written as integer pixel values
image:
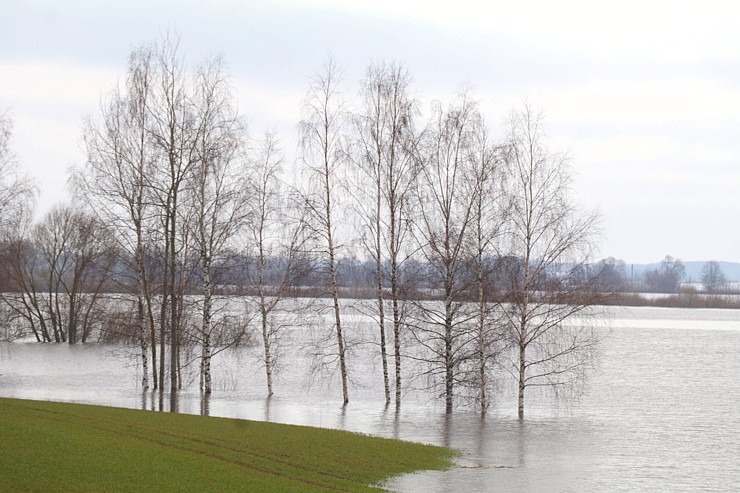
(661, 413)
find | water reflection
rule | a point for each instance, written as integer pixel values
(396, 420)
(205, 403)
(342, 422)
(148, 400)
(480, 444)
(174, 401)
(268, 407)
(447, 430)
(520, 444)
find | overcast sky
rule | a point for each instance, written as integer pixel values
(644, 96)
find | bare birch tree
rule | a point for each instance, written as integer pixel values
(320, 131)
(384, 136)
(447, 195)
(114, 181)
(488, 226)
(547, 317)
(176, 125)
(218, 191)
(277, 226)
(154, 152)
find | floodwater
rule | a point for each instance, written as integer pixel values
(660, 413)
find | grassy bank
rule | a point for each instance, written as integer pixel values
(47, 446)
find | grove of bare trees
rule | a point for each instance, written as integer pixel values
(189, 236)
(447, 192)
(383, 142)
(166, 168)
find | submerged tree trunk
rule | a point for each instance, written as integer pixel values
(338, 322)
(396, 309)
(166, 300)
(72, 320)
(397, 348)
(174, 321)
(482, 341)
(143, 343)
(207, 323)
(206, 364)
(263, 305)
(142, 312)
(321, 140)
(522, 377)
(449, 362)
(381, 301)
(267, 343)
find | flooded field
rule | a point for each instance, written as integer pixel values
(660, 412)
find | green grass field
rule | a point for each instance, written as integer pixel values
(49, 446)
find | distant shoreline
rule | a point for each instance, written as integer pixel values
(676, 300)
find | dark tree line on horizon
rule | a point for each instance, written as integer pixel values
(474, 262)
(669, 276)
